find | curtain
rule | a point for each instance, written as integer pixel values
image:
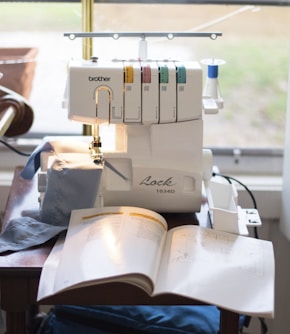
(285, 203)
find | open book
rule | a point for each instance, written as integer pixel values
(134, 245)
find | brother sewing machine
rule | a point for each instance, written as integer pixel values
(155, 109)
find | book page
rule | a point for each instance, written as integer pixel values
(48, 272)
(110, 242)
(227, 270)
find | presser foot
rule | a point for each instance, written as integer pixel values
(96, 154)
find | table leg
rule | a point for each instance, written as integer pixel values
(229, 322)
(16, 323)
(15, 302)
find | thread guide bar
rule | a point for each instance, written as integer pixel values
(142, 35)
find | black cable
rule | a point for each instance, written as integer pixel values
(229, 178)
(264, 328)
(14, 149)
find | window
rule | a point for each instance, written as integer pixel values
(41, 25)
(247, 136)
(254, 45)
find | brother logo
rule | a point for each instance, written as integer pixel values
(100, 78)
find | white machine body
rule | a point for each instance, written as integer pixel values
(155, 157)
(157, 110)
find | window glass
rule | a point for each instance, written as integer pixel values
(254, 46)
(41, 26)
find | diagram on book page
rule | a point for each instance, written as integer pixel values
(219, 268)
(212, 247)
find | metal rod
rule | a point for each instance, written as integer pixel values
(6, 119)
(143, 35)
(87, 27)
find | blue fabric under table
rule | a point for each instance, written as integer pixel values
(66, 319)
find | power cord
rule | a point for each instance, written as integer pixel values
(12, 148)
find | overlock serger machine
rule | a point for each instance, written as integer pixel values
(156, 107)
(153, 111)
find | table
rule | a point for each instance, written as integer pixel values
(20, 273)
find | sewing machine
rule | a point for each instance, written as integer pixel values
(157, 160)
(147, 130)
(147, 136)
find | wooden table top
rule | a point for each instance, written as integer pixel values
(23, 201)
